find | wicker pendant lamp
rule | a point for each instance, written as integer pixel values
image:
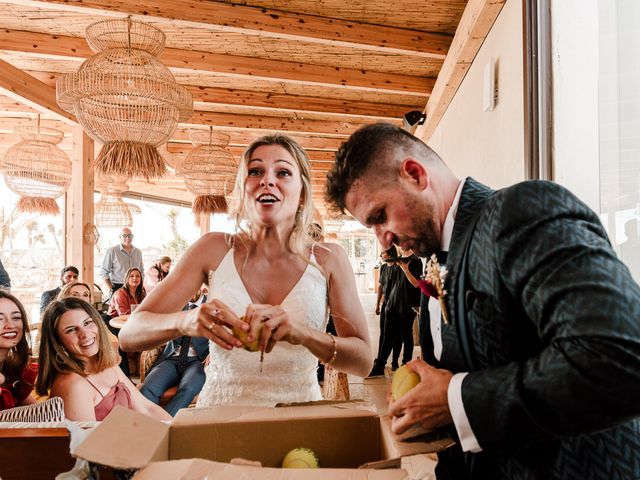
(111, 211)
(209, 172)
(125, 98)
(133, 208)
(37, 169)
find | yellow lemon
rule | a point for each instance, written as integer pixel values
(403, 380)
(242, 336)
(300, 458)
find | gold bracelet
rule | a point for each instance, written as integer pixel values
(335, 350)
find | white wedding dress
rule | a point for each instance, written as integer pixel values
(288, 371)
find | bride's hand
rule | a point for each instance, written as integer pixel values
(276, 326)
(213, 320)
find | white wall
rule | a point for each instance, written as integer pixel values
(575, 97)
(489, 146)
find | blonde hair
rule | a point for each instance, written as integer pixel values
(66, 290)
(53, 357)
(299, 237)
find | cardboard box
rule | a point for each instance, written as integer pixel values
(344, 436)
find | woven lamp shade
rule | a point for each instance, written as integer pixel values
(209, 172)
(111, 211)
(125, 98)
(36, 169)
(134, 209)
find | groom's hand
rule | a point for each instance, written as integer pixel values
(426, 403)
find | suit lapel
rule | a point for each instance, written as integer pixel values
(472, 200)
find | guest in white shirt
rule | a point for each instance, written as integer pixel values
(119, 259)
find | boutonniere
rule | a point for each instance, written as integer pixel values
(433, 284)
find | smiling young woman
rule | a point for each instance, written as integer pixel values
(17, 373)
(79, 364)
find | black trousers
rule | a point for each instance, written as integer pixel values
(398, 332)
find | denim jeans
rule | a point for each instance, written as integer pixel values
(165, 375)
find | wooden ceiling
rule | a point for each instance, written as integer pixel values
(314, 69)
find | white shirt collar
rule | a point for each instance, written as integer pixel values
(447, 228)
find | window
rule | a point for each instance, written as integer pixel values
(31, 250)
(596, 103)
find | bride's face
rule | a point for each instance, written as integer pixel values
(273, 185)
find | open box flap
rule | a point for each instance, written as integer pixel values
(229, 413)
(125, 439)
(418, 441)
(200, 469)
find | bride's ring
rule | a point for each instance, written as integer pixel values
(211, 325)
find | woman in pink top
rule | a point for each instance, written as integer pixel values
(79, 365)
(156, 273)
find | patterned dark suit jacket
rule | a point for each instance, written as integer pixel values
(553, 321)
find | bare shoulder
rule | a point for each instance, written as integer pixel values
(330, 256)
(209, 249)
(70, 384)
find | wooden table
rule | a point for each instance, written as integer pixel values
(118, 322)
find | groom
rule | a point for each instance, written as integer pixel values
(537, 371)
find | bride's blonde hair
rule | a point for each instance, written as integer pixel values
(299, 237)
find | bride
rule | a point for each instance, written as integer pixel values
(273, 275)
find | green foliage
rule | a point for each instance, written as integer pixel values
(178, 245)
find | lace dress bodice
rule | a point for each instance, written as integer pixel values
(288, 371)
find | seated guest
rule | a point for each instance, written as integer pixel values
(131, 293)
(72, 289)
(77, 289)
(69, 274)
(17, 373)
(82, 291)
(181, 364)
(156, 273)
(80, 365)
(5, 280)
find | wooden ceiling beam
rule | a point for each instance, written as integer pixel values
(318, 147)
(241, 137)
(236, 150)
(274, 102)
(231, 65)
(295, 103)
(26, 89)
(476, 22)
(263, 122)
(8, 123)
(266, 22)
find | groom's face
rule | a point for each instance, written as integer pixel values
(397, 211)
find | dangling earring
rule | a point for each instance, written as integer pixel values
(60, 358)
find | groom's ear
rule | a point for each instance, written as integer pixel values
(415, 173)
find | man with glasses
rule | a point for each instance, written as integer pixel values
(119, 259)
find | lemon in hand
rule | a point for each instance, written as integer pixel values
(403, 380)
(242, 336)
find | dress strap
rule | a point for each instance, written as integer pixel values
(97, 390)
